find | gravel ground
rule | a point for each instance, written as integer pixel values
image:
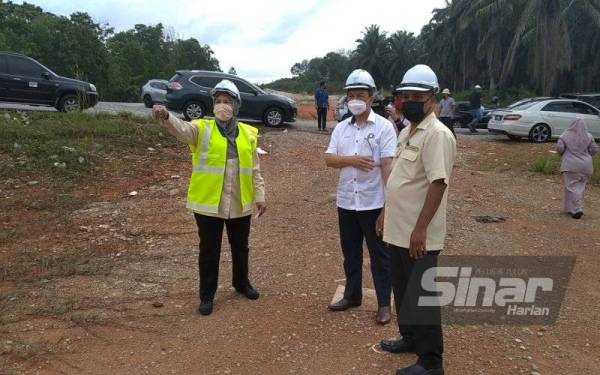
(113, 285)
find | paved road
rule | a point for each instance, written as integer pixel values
(133, 108)
(139, 109)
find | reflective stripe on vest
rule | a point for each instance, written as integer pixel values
(209, 158)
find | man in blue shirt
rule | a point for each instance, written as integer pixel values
(322, 105)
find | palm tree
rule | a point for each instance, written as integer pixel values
(404, 49)
(372, 52)
(549, 43)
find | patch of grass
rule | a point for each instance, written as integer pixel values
(69, 145)
(549, 164)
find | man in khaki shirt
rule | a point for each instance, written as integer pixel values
(414, 222)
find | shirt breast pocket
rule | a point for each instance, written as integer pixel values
(409, 155)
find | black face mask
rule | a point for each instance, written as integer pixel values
(414, 111)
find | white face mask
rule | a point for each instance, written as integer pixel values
(223, 112)
(357, 107)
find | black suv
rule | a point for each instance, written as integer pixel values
(24, 80)
(189, 92)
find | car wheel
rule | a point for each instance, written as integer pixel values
(273, 117)
(69, 103)
(148, 101)
(540, 133)
(513, 137)
(193, 111)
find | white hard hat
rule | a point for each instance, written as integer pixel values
(477, 86)
(446, 91)
(419, 78)
(359, 79)
(227, 87)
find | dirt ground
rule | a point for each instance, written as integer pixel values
(110, 287)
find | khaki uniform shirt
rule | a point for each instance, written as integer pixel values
(230, 206)
(426, 157)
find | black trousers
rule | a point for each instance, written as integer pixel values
(420, 326)
(322, 117)
(210, 231)
(448, 122)
(355, 227)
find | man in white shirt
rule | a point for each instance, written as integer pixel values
(362, 147)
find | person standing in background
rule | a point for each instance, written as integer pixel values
(576, 147)
(447, 110)
(395, 115)
(476, 112)
(322, 105)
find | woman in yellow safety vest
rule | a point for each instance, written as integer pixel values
(225, 187)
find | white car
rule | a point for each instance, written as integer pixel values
(542, 119)
(341, 109)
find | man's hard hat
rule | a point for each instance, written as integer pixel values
(360, 79)
(419, 78)
(227, 87)
(446, 91)
(477, 87)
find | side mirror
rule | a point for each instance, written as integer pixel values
(46, 75)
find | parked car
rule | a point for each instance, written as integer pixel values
(189, 92)
(541, 120)
(154, 91)
(341, 109)
(24, 80)
(590, 98)
(463, 117)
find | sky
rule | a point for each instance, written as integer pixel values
(261, 39)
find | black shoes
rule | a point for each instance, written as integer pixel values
(205, 308)
(343, 305)
(577, 215)
(417, 369)
(248, 292)
(397, 346)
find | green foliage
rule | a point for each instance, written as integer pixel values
(513, 48)
(549, 164)
(80, 140)
(77, 47)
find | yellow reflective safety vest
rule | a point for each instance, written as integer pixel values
(209, 157)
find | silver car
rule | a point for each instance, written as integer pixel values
(154, 91)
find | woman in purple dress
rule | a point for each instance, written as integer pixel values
(576, 147)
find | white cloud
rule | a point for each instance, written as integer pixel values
(262, 39)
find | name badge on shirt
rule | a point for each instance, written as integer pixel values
(412, 148)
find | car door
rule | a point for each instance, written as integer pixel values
(4, 78)
(251, 104)
(590, 115)
(159, 91)
(559, 115)
(204, 85)
(30, 81)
